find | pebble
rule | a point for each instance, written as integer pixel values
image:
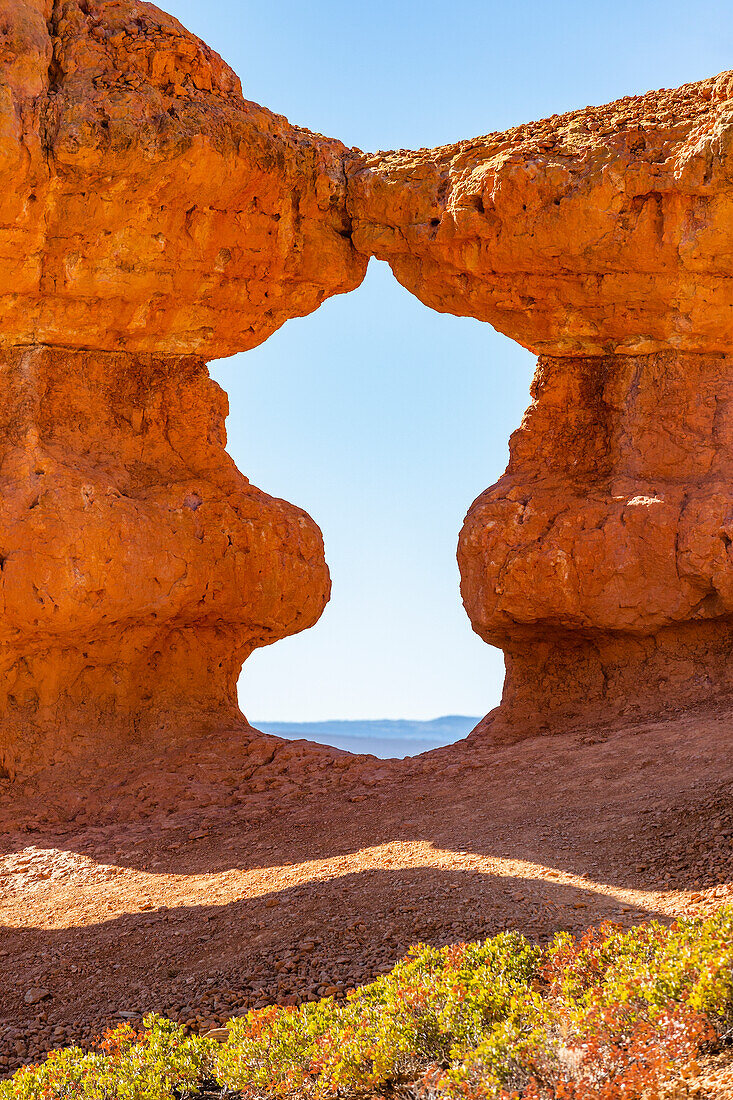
(35, 995)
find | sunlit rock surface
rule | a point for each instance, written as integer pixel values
(602, 239)
(152, 219)
(145, 205)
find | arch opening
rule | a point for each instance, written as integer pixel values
(384, 420)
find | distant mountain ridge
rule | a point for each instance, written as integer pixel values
(458, 724)
(385, 737)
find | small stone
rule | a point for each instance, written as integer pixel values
(35, 995)
(220, 1034)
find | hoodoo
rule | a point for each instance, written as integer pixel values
(151, 219)
(602, 239)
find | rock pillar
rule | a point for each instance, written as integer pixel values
(601, 561)
(138, 567)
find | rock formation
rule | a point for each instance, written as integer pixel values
(601, 561)
(603, 231)
(603, 239)
(138, 567)
(145, 205)
(152, 219)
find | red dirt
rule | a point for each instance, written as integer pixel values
(219, 874)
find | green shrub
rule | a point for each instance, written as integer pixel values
(600, 1017)
(434, 1006)
(127, 1066)
(618, 1009)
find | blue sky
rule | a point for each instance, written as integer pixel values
(384, 420)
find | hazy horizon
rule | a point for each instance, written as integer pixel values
(385, 738)
(368, 721)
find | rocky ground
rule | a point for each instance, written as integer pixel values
(242, 870)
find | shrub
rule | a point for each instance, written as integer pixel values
(618, 1009)
(603, 1017)
(127, 1066)
(434, 1006)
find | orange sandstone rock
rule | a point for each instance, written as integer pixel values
(606, 230)
(138, 567)
(150, 218)
(614, 512)
(147, 206)
(601, 561)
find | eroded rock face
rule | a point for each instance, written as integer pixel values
(150, 213)
(614, 512)
(138, 567)
(601, 561)
(606, 230)
(144, 204)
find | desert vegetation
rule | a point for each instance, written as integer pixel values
(607, 1014)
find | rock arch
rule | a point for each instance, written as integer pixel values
(152, 219)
